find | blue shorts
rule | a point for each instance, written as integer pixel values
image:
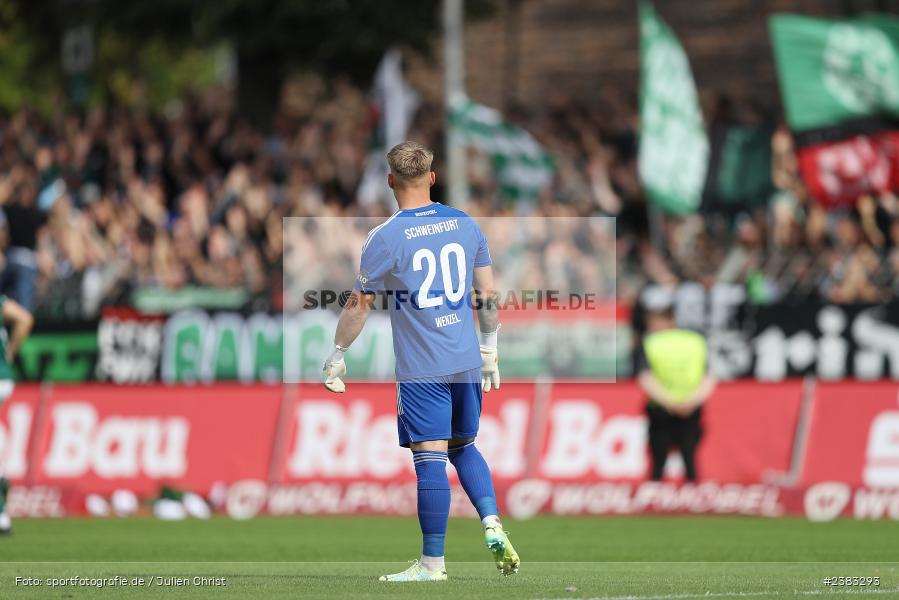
(439, 408)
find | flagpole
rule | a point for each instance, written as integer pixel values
(454, 91)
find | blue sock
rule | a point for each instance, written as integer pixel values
(475, 477)
(433, 499)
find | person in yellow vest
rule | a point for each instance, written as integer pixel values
(672, 369)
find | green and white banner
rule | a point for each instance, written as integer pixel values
(198, 346)
(836, 71)
(674, 149)
(521, 164)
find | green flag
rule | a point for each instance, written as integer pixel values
(521, 165)
(836, 71)
(739, 166)
(674, 149)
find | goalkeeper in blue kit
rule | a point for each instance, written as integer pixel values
(427, 258)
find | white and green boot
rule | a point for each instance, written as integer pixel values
(504, 555)
(416, 572)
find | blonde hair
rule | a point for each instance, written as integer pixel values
(409, 161)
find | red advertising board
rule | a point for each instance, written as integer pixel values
(100, 438)
(17, 421)
(598, 432)
(854, 435)
(566, 448)
(851, 465)
(594, 458)
(339, 454)
(749, 431)
(354, 435)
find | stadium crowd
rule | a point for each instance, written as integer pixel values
(96, 206)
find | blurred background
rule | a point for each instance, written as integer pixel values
(742, 165)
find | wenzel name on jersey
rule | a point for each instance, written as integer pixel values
(449, 319)
(432, 228)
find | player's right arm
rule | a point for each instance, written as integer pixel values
(352, 319)
(375, 264)
(349, 326)
(21, 321)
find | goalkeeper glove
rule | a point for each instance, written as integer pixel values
(333, 370)
(489, 361)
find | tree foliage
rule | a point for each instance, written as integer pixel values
(271, 37)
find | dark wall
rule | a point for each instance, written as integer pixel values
(532, 49)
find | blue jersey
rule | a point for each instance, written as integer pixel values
(424, 258)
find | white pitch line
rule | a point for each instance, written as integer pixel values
(738, 594)
(847, 591)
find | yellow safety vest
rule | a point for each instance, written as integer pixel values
(677, 359)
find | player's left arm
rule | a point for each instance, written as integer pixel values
(487, 300)
(22, 322)
(487, 305)
(349, 326)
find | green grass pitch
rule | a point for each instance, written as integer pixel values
(627, 558)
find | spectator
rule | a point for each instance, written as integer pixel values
(24, 219)
(192, 196)
(673, 373)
